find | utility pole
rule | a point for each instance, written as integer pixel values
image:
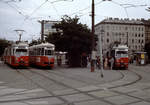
(20, 32)
(127, 40)
(92, 37)
(42, 30)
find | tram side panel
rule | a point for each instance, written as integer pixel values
(47, 61)
(38, 56)
(42, 61)
(16, 56)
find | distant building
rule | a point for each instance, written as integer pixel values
(48, 27)
(123, 31)
(147, 30)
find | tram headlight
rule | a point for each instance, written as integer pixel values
(26, 61)
(121, 61)
(117, 60)
(16, 61)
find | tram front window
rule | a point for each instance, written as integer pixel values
(122, 54)
(21, 52)
(48, 52)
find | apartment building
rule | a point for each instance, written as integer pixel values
(124, 31)
(147, 30)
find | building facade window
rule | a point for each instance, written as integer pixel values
(136, 47)
(139, 35)
(107, 33)
(107, 40)
(126, 28)
(132, 40)
(142, 35)
(142, 41)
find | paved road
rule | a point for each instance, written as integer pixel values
(74, 86)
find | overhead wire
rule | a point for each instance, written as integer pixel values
(10, 1)
(19, 8)
(52, 3)
(28, 17)
(79, 11)
(36, 9)
(125, 6)
(42, 5)
(121, 5)
(54, 8)
(15, 9)
(60, 0)
(135, 6)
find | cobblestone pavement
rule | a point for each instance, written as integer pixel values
(74, 86)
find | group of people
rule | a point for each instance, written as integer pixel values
(108, 62)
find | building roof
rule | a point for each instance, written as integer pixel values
(125, 21)
(42, 45)
(146, 22)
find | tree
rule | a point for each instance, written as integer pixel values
(74, 38)
(3, 44)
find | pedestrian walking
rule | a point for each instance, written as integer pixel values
(98, 62)
(111, 62)
(106, 63)
(59, 60)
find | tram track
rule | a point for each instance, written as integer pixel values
(135, 81)
(131, 83)
(60, 83)
(139, 77)
(78, 79)
(53, 95)
(72, 78)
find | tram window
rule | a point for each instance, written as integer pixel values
(13, 51)
(34, 52)
(42, 52)
(121, 53)
(48, 52)
(29, 52)
(21, 52)
(38, 51)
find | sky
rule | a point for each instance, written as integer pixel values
(25, 14)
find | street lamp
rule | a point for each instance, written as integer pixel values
(20, 32)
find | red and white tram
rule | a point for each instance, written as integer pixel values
(17, 55)
(120, 54)
(42, 55)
